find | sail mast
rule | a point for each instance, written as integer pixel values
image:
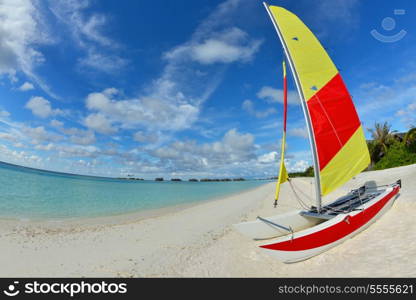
(305, 112)
(283, 176)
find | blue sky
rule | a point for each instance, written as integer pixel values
(184, 88)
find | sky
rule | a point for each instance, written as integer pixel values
(188, 89)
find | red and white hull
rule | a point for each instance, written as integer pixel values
(317, 239)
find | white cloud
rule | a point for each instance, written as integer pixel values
(27, 86)
(298, 166)
(91, 29)
(103, 62)
(78, 151)
(4, 113)
(100, 123)
(228, 46)
(233, 149)
(374, 101)
(336, 10)
(87, 32)
(248, 106)
(42, 108)
(76, 135)
(74, 141)
(39, 135)
(85, 138)
(299, 132)
(70, 150)
(19, 157)
(23, 30)
(83, 28)
(8, 137)
(153, 113)
(142, 137)
(408, 115)
(56, 123)
(19, 145)
(332, 18)
(268, 158)
(20, 33)
(273, 95)
(47, 147)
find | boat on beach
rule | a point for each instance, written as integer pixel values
(339, 152)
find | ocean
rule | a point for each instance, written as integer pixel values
(30, 194)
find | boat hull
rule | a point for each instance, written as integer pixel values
(317, 239)
(260, 230)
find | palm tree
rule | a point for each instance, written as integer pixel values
(375, 153)
(382, 139)
(410, 139)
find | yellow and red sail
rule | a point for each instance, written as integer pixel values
(283, 176)
(339, 138)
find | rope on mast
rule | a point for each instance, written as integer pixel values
(283, 175)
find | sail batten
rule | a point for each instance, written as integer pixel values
(339, 146)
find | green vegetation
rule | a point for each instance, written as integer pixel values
(397, 155)
(307, 173)
(382, 139)
(389, 149)
(410, 140)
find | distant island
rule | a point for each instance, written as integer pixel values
(160, 179)
(203, 179)
(222, 179)
(129, 178)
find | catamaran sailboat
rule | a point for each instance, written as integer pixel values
(339, 153)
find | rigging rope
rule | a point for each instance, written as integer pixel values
(302, 204)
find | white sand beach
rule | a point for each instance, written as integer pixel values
(199, 240)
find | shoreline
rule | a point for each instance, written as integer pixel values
(120, 218)
(152, 246)
(199, 241)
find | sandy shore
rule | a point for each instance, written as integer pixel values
(199, 241)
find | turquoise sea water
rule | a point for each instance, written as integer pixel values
(35, 194)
